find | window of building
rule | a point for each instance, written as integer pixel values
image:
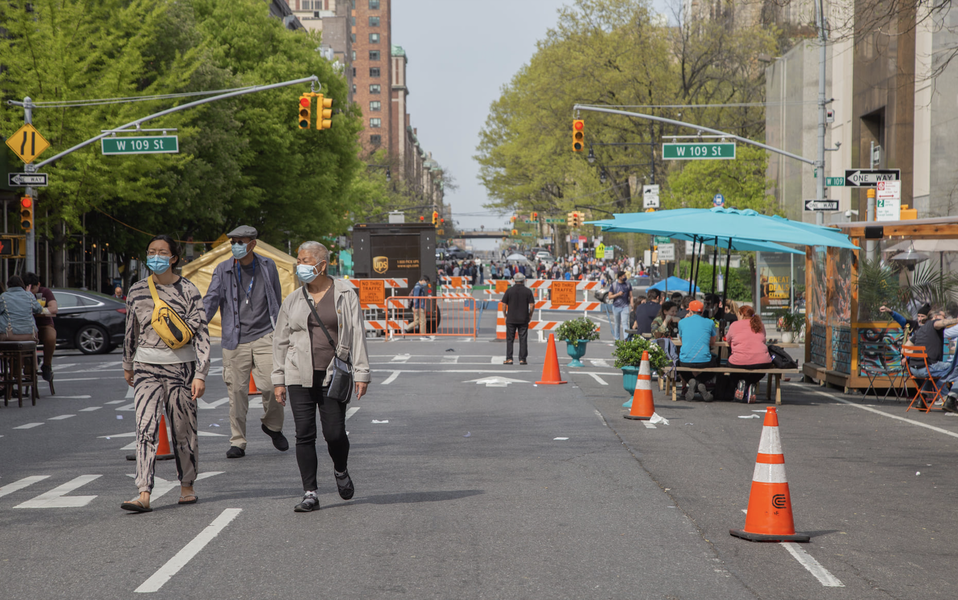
(375, 123)
(374, 4)
(354, 86)
(375, 88)
(376, 140)
(354, 71)
(354, 55)
(373, 38)
(374, 21)
(375, 106)
(374, 72)
(352, 21)
(374, 55)
(352, 37)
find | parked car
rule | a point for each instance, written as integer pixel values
(544, 256)
(454, 253)
(90, 322)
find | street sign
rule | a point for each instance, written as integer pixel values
(650, 196)
(555, 221)
(834, 182)
(600, 250)
(26, 179)
(27, 143)
(144, 144)
(820, 205)
(699, 151)
(718, 200)
(888, 201)
(661, 239)
(869, 178)
(666, 252)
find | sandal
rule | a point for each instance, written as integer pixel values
(188, 499)
(507, 362)
(136, 506)
(522, 362)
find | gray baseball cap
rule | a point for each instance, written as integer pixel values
(518, 277)
(243, 231)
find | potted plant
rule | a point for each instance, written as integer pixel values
(628, 358)
(788, 323)
(577, 333)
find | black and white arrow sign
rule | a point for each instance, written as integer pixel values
(821, 205)
(870, 177)
(26, 179)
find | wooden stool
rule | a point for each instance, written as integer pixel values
(18, 367)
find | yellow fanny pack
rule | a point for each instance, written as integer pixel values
(172, 329)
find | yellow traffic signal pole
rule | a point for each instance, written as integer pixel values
(28, 105)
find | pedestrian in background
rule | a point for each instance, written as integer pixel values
(162, 376)
(420, 290)
(17, 308)
(318, 322)
(46, 332)
(247, 292)
(621, 303)
(519, 304)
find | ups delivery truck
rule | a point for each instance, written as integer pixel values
(391, 250)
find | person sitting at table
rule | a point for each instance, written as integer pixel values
(698, 336)
(17, 307)
(645, 313)
(748, 350)
(666, 324)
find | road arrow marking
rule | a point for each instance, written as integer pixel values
(20, 484)
(204, 405)
(495, 381)
(57, 497)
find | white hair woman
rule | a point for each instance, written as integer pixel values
(302, 365)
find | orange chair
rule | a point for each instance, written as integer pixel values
(922, 395)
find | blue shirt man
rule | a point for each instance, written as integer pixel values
(697, 334)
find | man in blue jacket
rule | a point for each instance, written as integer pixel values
(247, 292)
(419, 301)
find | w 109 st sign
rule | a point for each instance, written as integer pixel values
(702, 151)
(147, 144)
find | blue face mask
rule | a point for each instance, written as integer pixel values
(306, 273)
(239, 250)
(158, 264)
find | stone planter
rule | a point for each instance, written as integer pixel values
(576, 352)
(630, 378)
(787, 337)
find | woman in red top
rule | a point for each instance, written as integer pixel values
(746, 340)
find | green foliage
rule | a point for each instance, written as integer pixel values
(628, 353)
(577, 330)
(898, 288)
(788, 320)
(741, 181)
(614, 52)
(242, 160)
(737, 284)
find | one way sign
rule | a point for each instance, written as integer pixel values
(817, 205)
(26, 179)
(869, 178)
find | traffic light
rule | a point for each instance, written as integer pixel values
(324, 114)
(305, 105)
(422, 219)
(26, 213)
(515, 232)
(435, 218)
(442, 221)
(578, 135)
(569, 220)
(535, 216)
(512, 219)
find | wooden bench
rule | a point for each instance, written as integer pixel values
(773, 378)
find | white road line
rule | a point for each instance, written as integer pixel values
(884, 414)
(172, 566)
(352, 411)
(57, 497)
(391, 378)
(29, 426)
(449, 360)
(812, 565)
(60, 417)
(115, 402)
(401, 358)
(203, 404)
(18, 485)
(90, 378)
(513, 370)
(649, 425)
(599, 362)
(597, 378)
(73, 397)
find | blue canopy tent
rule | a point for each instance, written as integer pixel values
(675, 283)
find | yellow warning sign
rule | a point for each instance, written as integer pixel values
(27, 143)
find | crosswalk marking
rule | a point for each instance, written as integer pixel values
(57, 498)
(449, 360)
(90, 408)
(20, 484)
(60, 417)
(29, 426)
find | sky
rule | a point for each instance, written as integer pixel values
(461, 53)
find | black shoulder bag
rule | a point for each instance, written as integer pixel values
(341, 385)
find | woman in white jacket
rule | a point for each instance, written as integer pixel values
(302, 355)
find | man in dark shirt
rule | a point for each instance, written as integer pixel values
(646, 313)
(519, 303)
(45, 328)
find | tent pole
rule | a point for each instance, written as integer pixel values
(728, 259)
(695, 240)
(714, 263)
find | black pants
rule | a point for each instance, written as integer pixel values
(700, 378)
(332, 414)
(523, 331)
(749, 379)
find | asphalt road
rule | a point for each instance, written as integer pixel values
(496, 488)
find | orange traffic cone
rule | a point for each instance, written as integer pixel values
(769, 517)
(642, 406)
(252, 387)
(550, 370)
(163, 451)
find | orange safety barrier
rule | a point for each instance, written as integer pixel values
(769, 515)
(443, 316)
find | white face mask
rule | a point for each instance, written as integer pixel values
(306, 273)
